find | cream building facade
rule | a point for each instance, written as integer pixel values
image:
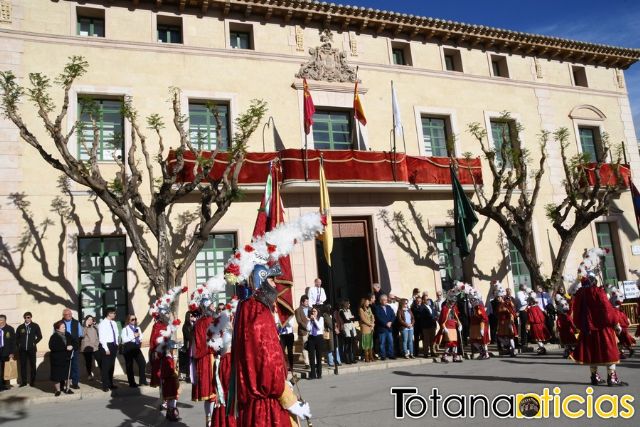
(446, 74)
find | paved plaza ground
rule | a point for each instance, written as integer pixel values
(349, 399)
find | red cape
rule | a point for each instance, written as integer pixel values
(566, 329)
(220, 418)
(595, 317)
(203, 361)
(537, 329)
(260, 367)
(156, 364)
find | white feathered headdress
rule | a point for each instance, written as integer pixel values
(161, 310)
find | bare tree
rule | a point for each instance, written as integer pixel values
(143, 209)
(511, 199)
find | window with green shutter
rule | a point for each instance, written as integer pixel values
(588, 143)
(203, 126)
(108, 116)
(102, 275)
(434, 132)
(169, 34)
(211, 260)
(398, 56)
(608, 264)
(448, 257)
(519, 270)
(332, 130)
(501, 133)
(90, 26)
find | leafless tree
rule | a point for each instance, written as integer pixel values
(143, 208)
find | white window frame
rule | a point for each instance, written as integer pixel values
(490, 62)
(227, 34)
(596, 124)
(96, 91)
(573, 80)
(230, 98)
(74, 19)
(444, 64)
(407, 51)
(332, 97)
(154, 29)
(489, 115)
(448, 114)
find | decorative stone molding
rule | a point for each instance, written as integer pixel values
(5, 11)
(538, 66)
(327, 63)
(353, 44)
(619, 78)
(587, 112)
(299, 38)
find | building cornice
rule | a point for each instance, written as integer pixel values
(405, 26)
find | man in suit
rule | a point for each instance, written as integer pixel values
(385, 317)
(28, 335)
(302, 319)
(75, 329)
(108, 335)
(7, 347)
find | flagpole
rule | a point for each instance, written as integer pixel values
(355, 139)
(393, 117)
(304, 158)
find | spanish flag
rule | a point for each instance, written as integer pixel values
(309, 108)
(358, 111)
(325, 209)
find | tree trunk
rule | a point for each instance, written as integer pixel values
(561, 259)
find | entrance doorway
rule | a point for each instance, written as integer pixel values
(352, 258)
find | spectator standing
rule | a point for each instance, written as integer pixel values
(384, 316)
(348, 332)
(302, 319)
(62, 348)
(367, 322)
(429, 322)
(330, 335)
(131, 336)
(491, 307)
(406, 321)
(107, 333)
(285, 333)
(417, 308)
(75, 329)
(317, 295)
(184, 354)
(28, 335)
(315, 343)
(437, 304)
(521, 306)
(7, 347)
(393, 302)
(89, 345)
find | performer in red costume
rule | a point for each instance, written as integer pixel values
(259, 393)
(479, 334)
(536, 325)
(507, 330)
(202, 357)
(564, 323)
(625, 340)
(223, 333)
(597, 321)
(162, 346)
(450, 327)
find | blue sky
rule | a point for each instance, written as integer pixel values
(614, 22)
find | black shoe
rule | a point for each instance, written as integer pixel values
(614, 381)
(105, 389)
(113, 387)
(143, 383)
(68, 391)
(23, 385)
(134, 385)
(392, 358)
(4, 388)
(383, 358)
(33, 384)
(75, 386)
(57, 393)
(596, 379)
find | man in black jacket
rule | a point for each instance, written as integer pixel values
(28, 335)
(7, 346)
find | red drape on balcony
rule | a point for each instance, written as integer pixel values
(340, 166)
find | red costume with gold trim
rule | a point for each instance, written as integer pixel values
(479, 321)
(260, 368)
(566, 329)
(448, 320)
(538, 331)
(596, 318)
(626, 340)
(156, 365)
(507, 316)
(202, 357)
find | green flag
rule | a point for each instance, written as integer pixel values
(463, 215)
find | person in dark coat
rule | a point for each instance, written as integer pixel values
(61, 345)
(28, 335)
(7, 347)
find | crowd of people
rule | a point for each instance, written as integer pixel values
(384, 326)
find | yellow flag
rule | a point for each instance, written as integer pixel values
(325, 209)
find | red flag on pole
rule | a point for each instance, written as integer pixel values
(270, 214)
(309, 108)
(358, 111)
